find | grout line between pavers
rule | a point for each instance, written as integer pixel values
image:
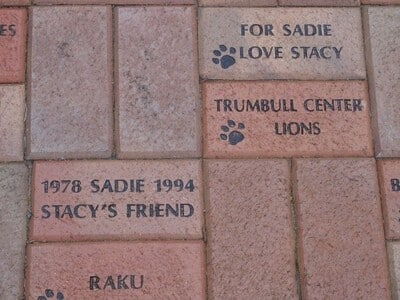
(293, 200)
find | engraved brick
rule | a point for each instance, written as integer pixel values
(320, 2)
(281, 43)
(342, 251)
(117, 270)
(117, 200)
(12, 45)
(12, 111)
(383, 58)
(389, 176)
(14, 196)
(393, 249)
(69, 91)
(250, 244)
(238, 2)
(157, 107)
(286, 119)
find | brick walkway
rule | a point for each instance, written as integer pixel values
(211, 149)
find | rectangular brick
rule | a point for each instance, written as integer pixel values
(14, 194)
(383, 60)
(389, 176)
(69, 84)
(286, 119)
(380, 1)
(238, 2)
(250, 244)
(342, 251)
(320, 2)
(12, 114)
(85, 2)
(12, 45)
(393, 249)
(157, 107)
(117, 200)
(14, 2)
(117, 270)
(281, 43)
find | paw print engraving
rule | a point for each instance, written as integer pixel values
(232, 136)
(224, 59)
(48, 294)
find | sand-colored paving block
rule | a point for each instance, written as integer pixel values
(14, 194)
(69, 82)
(12, 114)
(382, 28)
(281, 43)
(157, 91)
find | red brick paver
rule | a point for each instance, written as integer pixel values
(152, 270)
(12, 45)
(284, 119)
(320, 2)
(69, 87)
(238, 2)
(97, 200)
(157, 108)
(341, 241)
(14, 194)
(250, 253)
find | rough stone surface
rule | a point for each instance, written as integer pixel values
(150, 2)
(14, 2)
(69, 85)
(382, 36)
(12, 45)
(118, 214)
(380, 1)
(393, 249)
(157, 107)
(320, 2)
(389, 176)
(170, 270)
(324, 133)
(341, 242)
(12, 111)
(238, 2)
(13, 208)
(250, 244)
(231, 46)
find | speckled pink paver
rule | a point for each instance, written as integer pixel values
(97, 200)
(248, 3)
(341, 242)
(250, 243)
(119, 270)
